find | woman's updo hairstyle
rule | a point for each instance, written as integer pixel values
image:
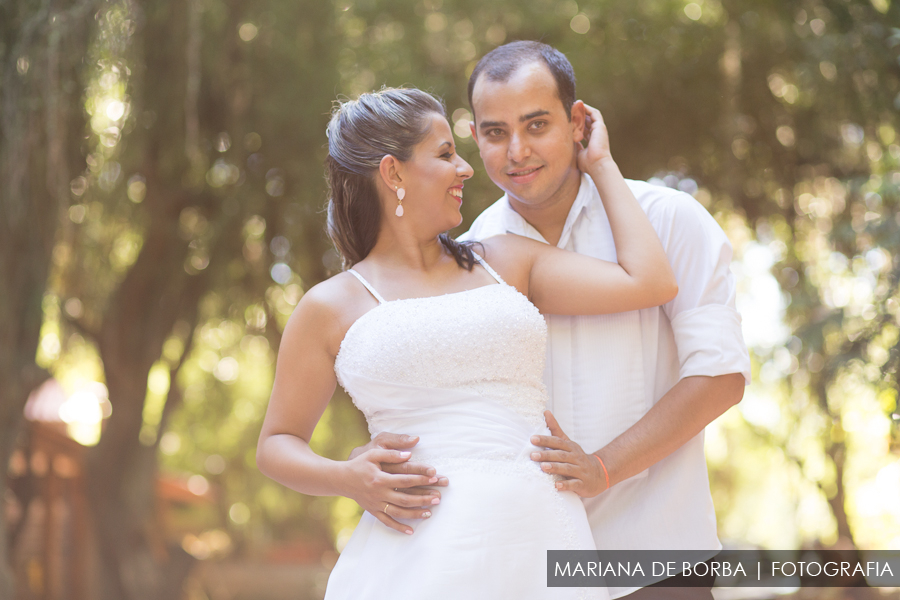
(361, 133)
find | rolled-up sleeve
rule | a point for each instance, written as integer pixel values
(706, 324)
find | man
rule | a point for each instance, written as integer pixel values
(636, 389)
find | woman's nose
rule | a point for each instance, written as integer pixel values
(464, 169)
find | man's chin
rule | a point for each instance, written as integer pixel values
(523, 200)
(523, 194)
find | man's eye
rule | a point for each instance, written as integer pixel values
(538, 124)
(495, 132)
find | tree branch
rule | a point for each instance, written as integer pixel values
(82, 328)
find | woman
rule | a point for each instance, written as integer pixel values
(428, 338)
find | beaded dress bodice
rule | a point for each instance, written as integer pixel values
(489, 341)
(462, 372)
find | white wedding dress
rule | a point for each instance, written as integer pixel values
(463, 372)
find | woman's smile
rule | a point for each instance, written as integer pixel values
(457, 192)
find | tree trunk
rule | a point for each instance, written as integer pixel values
(837, 452)
(155, 293)
(40, 123)
(192, 92)
(836, 449)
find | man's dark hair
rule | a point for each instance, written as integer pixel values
(500, 63)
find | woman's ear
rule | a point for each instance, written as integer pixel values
(390, 170)
(578, 121)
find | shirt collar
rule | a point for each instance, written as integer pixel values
(581, 206)
(516, 223)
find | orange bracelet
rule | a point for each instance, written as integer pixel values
(605, 472)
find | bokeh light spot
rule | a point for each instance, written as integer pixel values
(248, 32)
(281, 273)
(115, 110)
(239, 513)
(198, 485)
(580, 23)
(693, 11)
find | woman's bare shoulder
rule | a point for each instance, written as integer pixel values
(328, 309)
(333, 293)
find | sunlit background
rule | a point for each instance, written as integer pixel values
(188, 224)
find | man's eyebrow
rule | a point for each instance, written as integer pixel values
(489, 124)
(522, 119)
(531, 115)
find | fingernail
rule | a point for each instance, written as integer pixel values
(430, 472)
(535, 439)
(426, 514)
(405, 454)
(443, 481)
(433, 480)
(409, 532)
(545, 466)
(559, 485)
(436, 501)
(535, 456)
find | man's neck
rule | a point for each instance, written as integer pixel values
(549, 218)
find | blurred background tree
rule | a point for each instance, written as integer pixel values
(41, 79)
(173, 237)
(189, 223)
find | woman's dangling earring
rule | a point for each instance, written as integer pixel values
(401, 193)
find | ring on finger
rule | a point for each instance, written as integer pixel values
(384, 510)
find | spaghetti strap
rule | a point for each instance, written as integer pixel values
(368, 286)
(488, 268)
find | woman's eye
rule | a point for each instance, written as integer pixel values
(447, 155)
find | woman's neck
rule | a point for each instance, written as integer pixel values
(405, 251)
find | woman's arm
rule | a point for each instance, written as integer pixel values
(304, 383)
(567, 283)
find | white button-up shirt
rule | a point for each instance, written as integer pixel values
(605, 372)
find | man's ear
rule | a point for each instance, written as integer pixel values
(473, 130)
(578, 120)
(390, 171)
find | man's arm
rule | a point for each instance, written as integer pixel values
(692, 404)
(713, 359)
(685, 410)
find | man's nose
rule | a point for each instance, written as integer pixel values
(518, 148)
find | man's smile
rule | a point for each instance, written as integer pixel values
(524, 175)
